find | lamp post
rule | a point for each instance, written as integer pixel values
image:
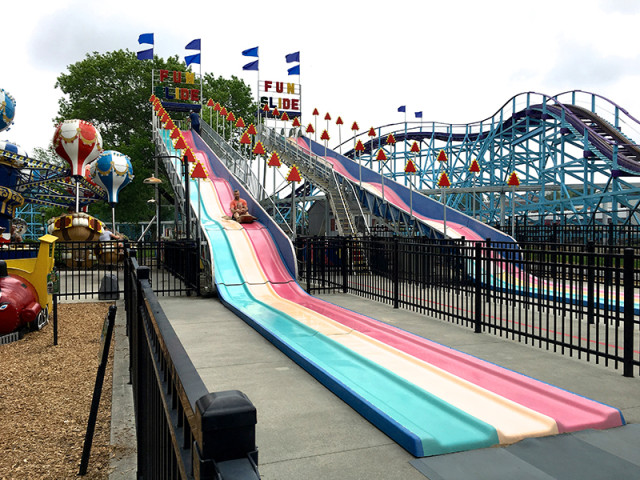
(155, 181)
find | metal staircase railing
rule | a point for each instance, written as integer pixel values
(240, 167)
(318, 171)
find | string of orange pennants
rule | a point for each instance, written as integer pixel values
(198, 171)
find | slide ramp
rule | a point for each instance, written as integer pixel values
(428, 398)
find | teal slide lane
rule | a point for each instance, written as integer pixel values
(417, 420)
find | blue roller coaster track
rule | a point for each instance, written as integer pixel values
(575, 154)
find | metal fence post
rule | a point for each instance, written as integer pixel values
(478, 289)
(629, 311)
(309, 250)
(227, 423)
(591, 280)
(396, 273)
(344, 254)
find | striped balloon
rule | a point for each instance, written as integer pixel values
(112, 171)
(7, 109)
(78, 143)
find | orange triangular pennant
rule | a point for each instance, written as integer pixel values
(198, 171)
(245, 139)
(190, 156)
(274, 160)
(259, 149)
(410, 167)
(180, 144)
(294, 175)
(444, 182)
(381, 155)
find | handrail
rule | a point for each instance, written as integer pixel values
(240, 167)
(314, 166)
(344, 205)
(353, 190)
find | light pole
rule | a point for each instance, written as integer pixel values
(155, 181)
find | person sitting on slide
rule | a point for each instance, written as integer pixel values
(238, 206)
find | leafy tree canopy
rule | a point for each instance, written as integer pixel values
(111, 90)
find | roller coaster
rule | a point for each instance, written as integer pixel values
(575, 154)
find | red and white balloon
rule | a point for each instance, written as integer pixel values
(78, 143)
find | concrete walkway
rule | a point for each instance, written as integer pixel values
(305, 431)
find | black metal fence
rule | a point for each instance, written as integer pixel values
(88, 270)
(579, 300)
(620, 235)
(183, 430)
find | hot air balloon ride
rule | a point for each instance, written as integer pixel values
(77, 142)
(112, 171)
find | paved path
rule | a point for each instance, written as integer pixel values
(304, 431)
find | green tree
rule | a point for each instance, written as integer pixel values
(233, 94)
(112, 90)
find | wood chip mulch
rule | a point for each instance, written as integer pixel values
(45, 399)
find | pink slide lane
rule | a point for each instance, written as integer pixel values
(392, 197)
(571, 412)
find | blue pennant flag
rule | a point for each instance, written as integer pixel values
(145, 54)
(293, 57)
(403, 108)
(251, 52)
(193, 45)
(189, 59)
(294, 70)
(146, 38)
(418, 114)
(251, 66)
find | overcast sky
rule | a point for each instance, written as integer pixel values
(457, 61)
